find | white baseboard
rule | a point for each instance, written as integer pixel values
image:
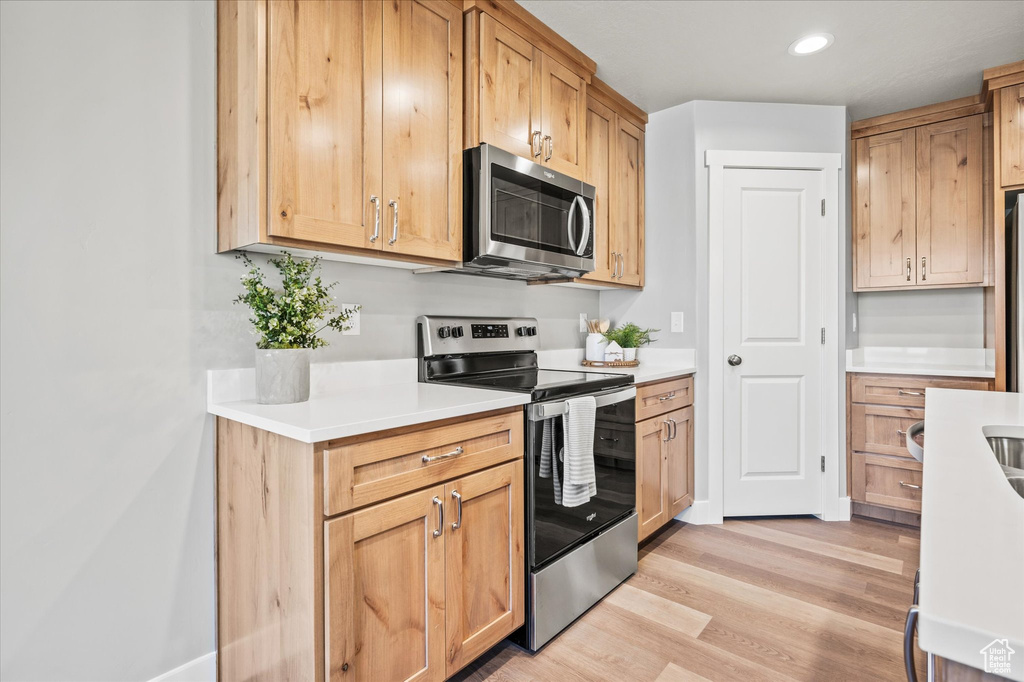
(699, 514)
(845, 508)
(202, 669)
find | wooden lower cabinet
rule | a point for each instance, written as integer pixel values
(885, 481)
(664, 468)
(411, 586)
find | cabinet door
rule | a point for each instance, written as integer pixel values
(384, 591)
(509, 90)
(563, 118)
(950, 213)
(679, 457)
(324, 120)
(628, 202)
(484, 600)
(601, 131)
(884, 216)
(650, 475)
(1011, 132)
(423, 129)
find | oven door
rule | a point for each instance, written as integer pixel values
(554, 529)
(528, 213)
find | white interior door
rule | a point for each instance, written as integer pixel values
(772, 297)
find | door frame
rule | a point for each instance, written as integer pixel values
(833, 443)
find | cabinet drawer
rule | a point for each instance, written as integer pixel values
(662, 397)
(906, 391)
(363, 470)
(887, 481)
(881, 429)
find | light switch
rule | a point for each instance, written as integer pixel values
(677, 322)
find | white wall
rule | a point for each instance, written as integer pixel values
(677, 273)
(113, 307)
(938, 318)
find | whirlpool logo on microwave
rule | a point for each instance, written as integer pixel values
(550, 176)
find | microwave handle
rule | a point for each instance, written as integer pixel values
(586, 226)
(544, 411)
(569, 224)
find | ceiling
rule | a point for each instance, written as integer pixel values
(887, 56)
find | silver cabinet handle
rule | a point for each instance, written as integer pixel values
(670, 396)
(914, 393)
(375, 200)
(669, 436)
(458, 509)
(909, 485)
(536, 148)
(615, 265)
(901, 433)
(908, 270)
(735, 360)
(675, 429)
(440, 517)
(394, 228)
(621, 264)
(924, 268)
(908, 643)
(454, 453)
(551, 148)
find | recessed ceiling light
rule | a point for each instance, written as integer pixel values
(816, 42)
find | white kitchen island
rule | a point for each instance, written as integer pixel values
(972, 532)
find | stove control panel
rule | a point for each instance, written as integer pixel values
(490, 331)
(462, 335)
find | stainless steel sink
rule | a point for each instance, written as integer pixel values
(1007, 443)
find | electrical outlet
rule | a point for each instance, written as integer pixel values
(353, 321)
(677, 322)
(854, 325)
(583, 322)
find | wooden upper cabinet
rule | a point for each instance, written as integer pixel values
(884, 228)
(627, 224)
(950, 215)
(422, 129)
(1011, 133)
(324, 122)
(384, 591)
(563, 118)
(510, 95)
(601, 131)
(485, 561)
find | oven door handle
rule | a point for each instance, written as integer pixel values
(543, 411)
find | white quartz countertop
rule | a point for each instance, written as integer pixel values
(938, 362)
(655, 364)
(972, 531)
(366, 409)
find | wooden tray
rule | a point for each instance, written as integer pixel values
(611, 363)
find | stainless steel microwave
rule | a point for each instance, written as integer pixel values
(523, 220)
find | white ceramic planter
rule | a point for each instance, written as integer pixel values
(629, 354)
(282, 376)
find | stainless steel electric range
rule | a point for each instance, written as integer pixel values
(574, 555)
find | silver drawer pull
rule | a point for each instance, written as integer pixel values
(909, 485)
(454, 453)
(670, 396)
(913, 393)
(458, 506)
(901, 433)
(440, 517)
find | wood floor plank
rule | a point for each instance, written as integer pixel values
(910, 542)
(673, 673)
(843, 553)
(669, 613)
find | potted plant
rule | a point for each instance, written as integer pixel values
(288, 322)
(630, 337)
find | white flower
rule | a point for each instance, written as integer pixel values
(273, 323)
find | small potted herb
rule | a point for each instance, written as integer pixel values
(630, 337)
(288, 322)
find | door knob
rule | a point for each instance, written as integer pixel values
(735, 360)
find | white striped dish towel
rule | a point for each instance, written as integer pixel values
(578, 423)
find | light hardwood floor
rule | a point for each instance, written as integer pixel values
(764, 599)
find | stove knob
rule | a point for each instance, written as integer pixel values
(444, 332)
(533, 331)
(522, 331)
(456, 332)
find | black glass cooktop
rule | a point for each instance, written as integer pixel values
(542, 384)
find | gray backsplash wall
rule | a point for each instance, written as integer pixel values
(939, 318)
(114, 308)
